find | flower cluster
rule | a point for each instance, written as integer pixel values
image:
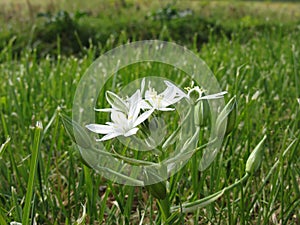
(128, 114)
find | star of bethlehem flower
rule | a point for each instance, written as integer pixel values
(118, 104)
(126, 114)
(171, 95)
(123, 123)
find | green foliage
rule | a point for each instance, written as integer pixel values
(169, 12)
(63, 27)
(70, 32)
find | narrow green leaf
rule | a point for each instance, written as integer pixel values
(33, 165)
(4, 146)
(2, 220)
(82, 138)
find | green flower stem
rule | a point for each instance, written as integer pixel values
(242, 180)
(190, 206)
(164, 205)
(190, 153)
(158, 191)
(172, 138)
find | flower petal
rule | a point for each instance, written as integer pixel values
(213, 96)
(116, 102)
(178, 91)
(143, 86)
(165, 109)
(118, 117)
(104, 110)
(131, 132)
(145, 105)
(143, 117)
(169, 92)
(134, 106)
(99, 128)
(109, 136)
(135, 98)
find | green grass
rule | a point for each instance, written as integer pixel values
(105, 24)
(254, 59)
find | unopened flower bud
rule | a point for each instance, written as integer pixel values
(255, 158)
(158, 190)
(201, 114)
(231, 120)
(228, 114)
(157, 187)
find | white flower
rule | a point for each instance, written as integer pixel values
(117, 103)
(126, 114)
(122, 124)
(161, 101)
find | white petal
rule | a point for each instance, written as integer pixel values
(148, 94)
(118, 117)
(169, 84)
(145, 105)
(131, 132)
(134, 107)
(214, 96)
(116, 102)
(135, 98)
(143, 117)
(169, 92)
(166, 102)
(99, 129)
(172, 95)
(104, 110)
(143, 85)
(109, 136)
(134, 114)
(165, 109)
(113, 125)
(177, 89)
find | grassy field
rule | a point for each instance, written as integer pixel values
(253, 50)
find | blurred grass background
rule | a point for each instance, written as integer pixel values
(38, 25)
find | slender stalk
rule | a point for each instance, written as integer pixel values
(209, 199)
(164, 206)
(33, 165)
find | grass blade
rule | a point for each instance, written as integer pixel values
(4, 146)
(33, 165)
